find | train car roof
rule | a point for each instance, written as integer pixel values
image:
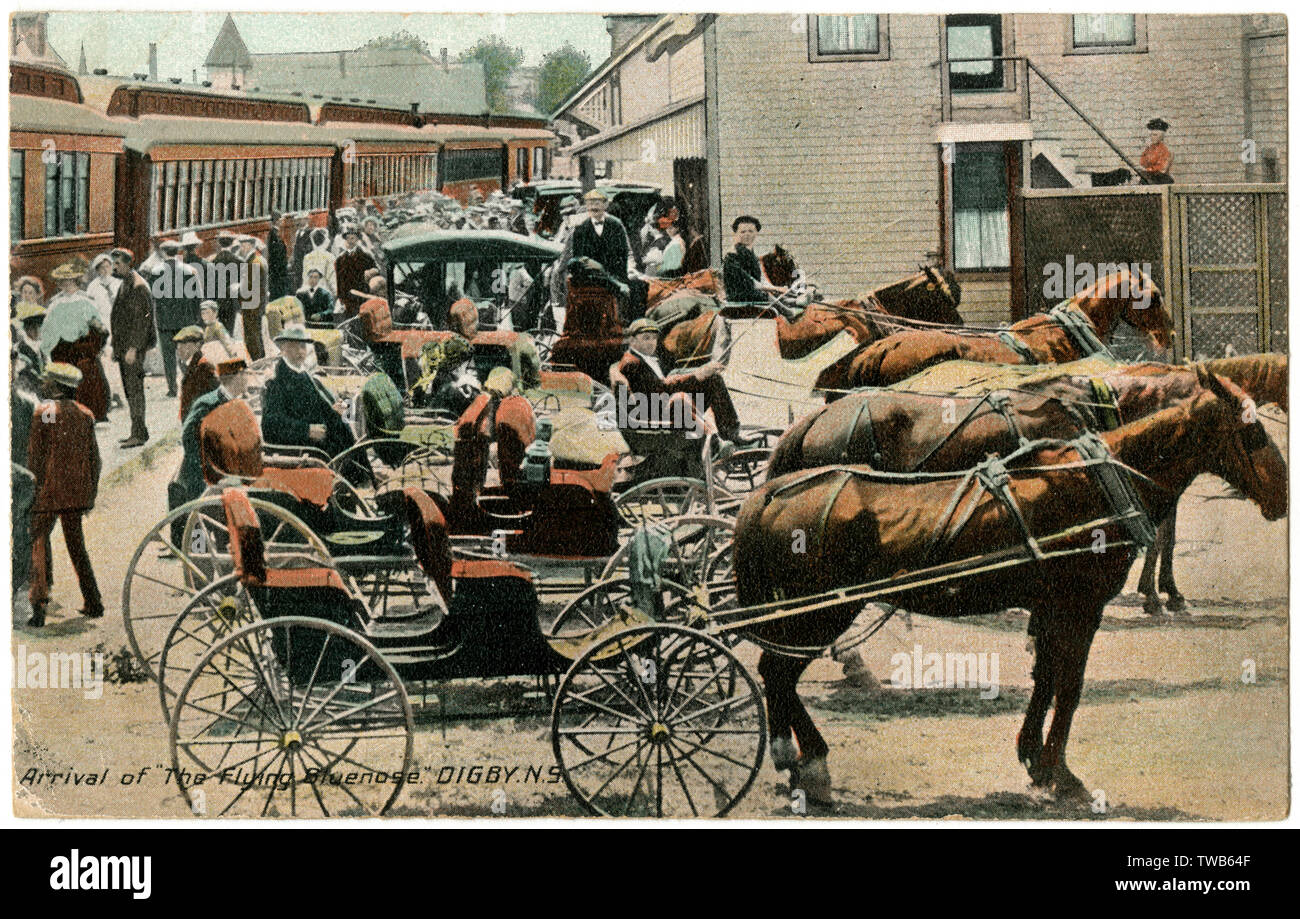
(151, 131)
(461, 245)
(32, 113)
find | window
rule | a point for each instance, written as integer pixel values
(521, 164)
(1105, 33)
(980, 216)
(469, 165)
(198, 193)
(859, 37)
(975, 41)
(67, 194)
(539, 163)
(16, 195)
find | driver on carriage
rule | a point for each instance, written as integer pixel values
(498, 416)
(641, 372)
(742, 275)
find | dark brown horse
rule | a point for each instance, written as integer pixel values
(1122, 296)
(862, 526)
(930, 296)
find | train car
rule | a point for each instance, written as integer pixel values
(64, 160)
(488, 159)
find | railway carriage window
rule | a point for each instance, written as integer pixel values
(980, 211)
(67, 194)
(302, 185)
(183, 195)
(16, 187)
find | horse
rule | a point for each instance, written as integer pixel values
(863, 526)
(927, 297)
(1072, 330)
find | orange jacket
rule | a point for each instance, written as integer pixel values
(64, 456)
(1156, 158)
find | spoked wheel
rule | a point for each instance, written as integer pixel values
(699, 557)
(588, 616)
(658, 499)
(292, 716)
(659, 721)
(218, 610)
(165, 575)
(743, 471)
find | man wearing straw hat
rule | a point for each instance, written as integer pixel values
(63, 455)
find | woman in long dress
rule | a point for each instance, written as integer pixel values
(74, 334)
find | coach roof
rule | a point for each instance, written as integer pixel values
(466, 245)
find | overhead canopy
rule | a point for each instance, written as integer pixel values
(470, 245)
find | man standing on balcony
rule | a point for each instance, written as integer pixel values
(1156, 158)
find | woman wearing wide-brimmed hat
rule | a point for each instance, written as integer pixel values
(74, 334)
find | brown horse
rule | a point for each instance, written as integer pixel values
(862, 526)
(930, 296)
(1047, 338)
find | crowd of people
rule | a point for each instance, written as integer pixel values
(206, 316)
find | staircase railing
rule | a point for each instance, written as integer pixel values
(1021, 85)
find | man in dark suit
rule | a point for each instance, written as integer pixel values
(298, 409)
(277, 261)
(228, 298)
(316, 299)
(742, 275)
(301, 245)
(177, 289)
(133, 334)
(64, 457)
(641, 372)
(350, 269)
(600, 243)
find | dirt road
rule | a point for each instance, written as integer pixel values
(1181, 719)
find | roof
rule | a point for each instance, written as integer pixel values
(229, 49)
(461, 89)
(31, 113)
(464, 245)
(152, 131)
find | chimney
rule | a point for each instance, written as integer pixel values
(343, 63)
(194, 75)
(415, 108)
(444, 60)
(153, 62)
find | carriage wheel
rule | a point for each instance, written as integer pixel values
(592, 610)
(292, 716)
(216, 611)
(164, 577)
(658, 499)
(658, 721)
(743, 471)
(699, 558)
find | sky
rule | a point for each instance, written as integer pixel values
(119, 41)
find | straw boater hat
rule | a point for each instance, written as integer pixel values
(68, 271)
(29, 312)
(189, 333)
(191, 240)
(64, 374)
(294, 333)
(500, 381)
(170, 245)
(640, 325)
(595, 195)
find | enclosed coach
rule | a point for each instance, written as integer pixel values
(383, 153)
(205, 163)
(64, 160)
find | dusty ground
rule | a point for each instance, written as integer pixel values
(1167, 729)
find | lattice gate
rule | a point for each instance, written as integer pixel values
(1218, 252)
(1230, 268)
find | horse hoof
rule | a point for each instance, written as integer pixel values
(1067, 789)
(1176, 603)
(1153, 607)
(784, 754)
(813, 776)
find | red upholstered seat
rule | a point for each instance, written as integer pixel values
(248, 552)
(566, 381)
(309, 484)
(377, 328)
(230, 442)
(471, 568)
(429, 538)
(597, 481)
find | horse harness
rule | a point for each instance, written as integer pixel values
(1071, 320)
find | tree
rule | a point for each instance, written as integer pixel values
(499, 61)
(562, 70)
(400, 40)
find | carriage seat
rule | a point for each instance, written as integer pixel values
(429, 539)
(230, 442)
(248, 553)
(378, 328)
